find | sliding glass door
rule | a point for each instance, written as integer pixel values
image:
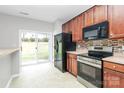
(42, 47)
(35, 48)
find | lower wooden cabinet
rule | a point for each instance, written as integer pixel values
(113, 77)
(72, 64)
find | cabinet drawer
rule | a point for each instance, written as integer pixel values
(114, 66)
(74, 56)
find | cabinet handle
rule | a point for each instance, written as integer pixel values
(114, 66)
(111, 34)
(104, 72)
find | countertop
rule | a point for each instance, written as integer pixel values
(77, 52)
(7, 51)
(115, 59)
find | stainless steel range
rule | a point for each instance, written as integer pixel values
(90, 66)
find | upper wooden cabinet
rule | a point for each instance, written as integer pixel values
(78, 25)
(65, 27)
(116, 21)
(112, 13)
(70, 26)
(88, 17)
(100, 13)
(74, 32)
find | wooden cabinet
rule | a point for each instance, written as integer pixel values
(72, 64)
(113, 75)
(114, 66)
(65, 28)
(112, 13)
(95, 15)
(70, 27)
(79, 26)
(74, 32)
(77, 30)
(113, 79)
(116, 21)
(88, 17)
(100, 13)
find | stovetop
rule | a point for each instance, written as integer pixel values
(96, 54)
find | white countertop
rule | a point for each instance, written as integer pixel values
(78, 52)
(115, 59)
(7, 51)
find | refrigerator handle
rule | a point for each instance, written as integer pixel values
(57, 48)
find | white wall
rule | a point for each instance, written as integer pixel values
(5, 70)
(57, 27)
(57, 30)
(10, 26)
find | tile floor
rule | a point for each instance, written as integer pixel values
(44, 75)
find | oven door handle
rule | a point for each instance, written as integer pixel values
(89, 63)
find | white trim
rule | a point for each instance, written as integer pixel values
(10, 80)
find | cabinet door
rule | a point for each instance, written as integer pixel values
(100, 13)
(116, 20)
(80, 26)
(67, 62)
(74, 66)
(113, 79)
(70, 26)
(77, 32)
(66, 28)
(74, 33)
(88, 20)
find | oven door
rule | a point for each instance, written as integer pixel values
(90, 74)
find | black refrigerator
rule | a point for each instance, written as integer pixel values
(62, 43)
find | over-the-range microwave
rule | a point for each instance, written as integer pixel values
(97, 31)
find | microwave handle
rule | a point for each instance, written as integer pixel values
(99, 28)
(99, 31)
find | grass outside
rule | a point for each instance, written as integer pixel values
(29, 51)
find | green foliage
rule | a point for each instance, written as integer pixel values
(33, 39)
(28, 39)
(43, 40)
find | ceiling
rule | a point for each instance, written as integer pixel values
(48, 13)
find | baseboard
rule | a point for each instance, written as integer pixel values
(10, 80)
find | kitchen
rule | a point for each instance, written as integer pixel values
(93, 46)
(82, 47)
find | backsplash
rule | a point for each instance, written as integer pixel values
(118, 44)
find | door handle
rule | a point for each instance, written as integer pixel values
(21, 48)
(36, 48)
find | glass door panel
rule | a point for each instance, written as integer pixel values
(28, 48)
(42, 47)
(35, 48)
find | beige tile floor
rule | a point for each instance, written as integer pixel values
(44, 75)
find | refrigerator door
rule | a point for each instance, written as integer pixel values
(58, 51)
(58, 48)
